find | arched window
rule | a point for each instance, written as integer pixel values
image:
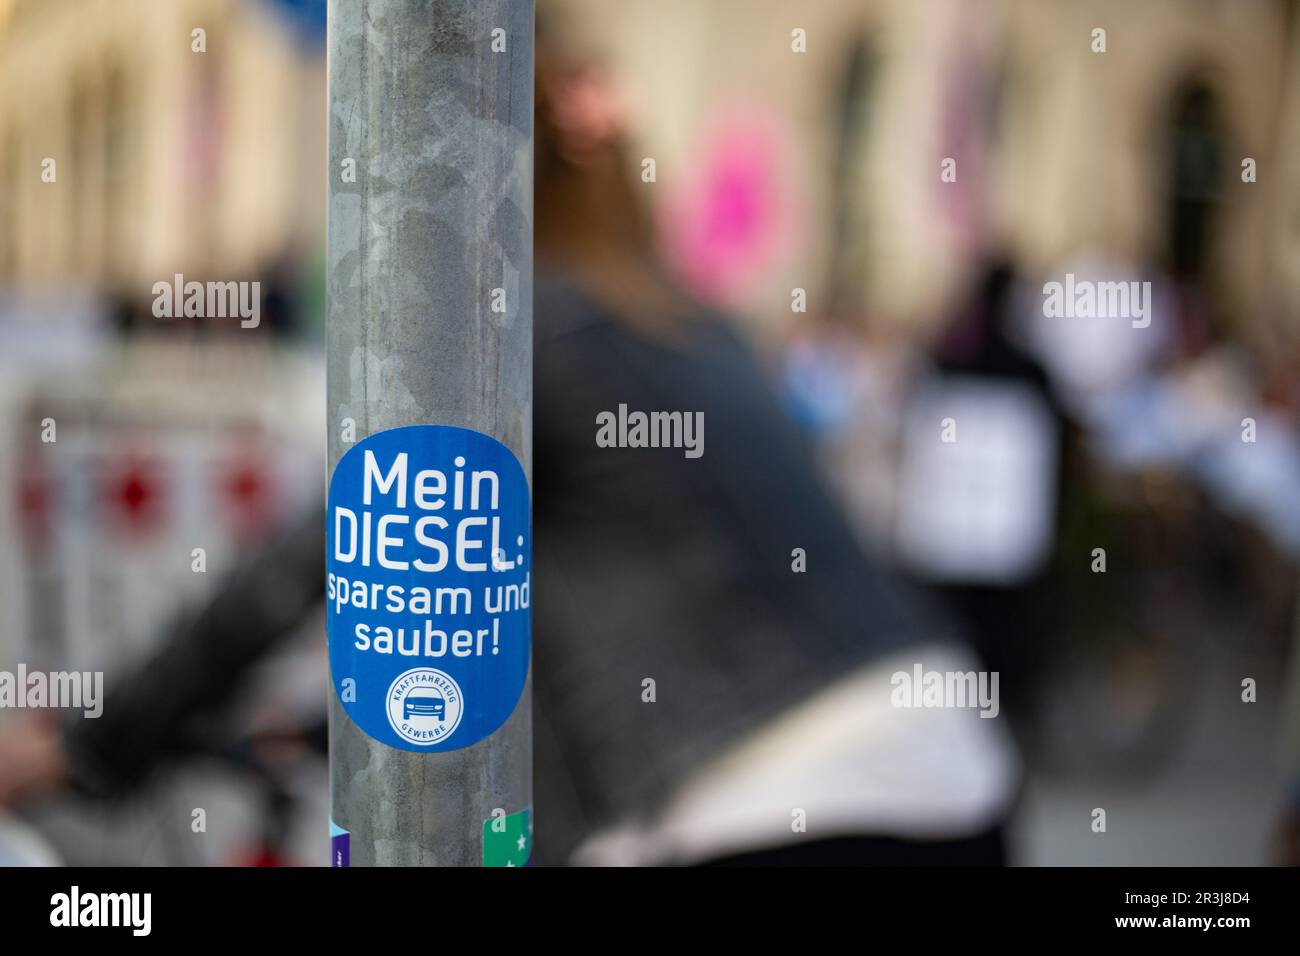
(1195, 153)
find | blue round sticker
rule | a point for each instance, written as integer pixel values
(428, 586)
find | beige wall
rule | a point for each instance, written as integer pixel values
(1074, 170)
(1082, 168)
(266, 182)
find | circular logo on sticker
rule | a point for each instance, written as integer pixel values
(424, 705)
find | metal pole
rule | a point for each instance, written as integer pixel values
(429, 314)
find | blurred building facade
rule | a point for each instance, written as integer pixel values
(1012, 90)
(210, 163)
(166, 160)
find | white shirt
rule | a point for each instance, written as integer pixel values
(851, 761)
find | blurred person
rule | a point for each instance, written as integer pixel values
(979, 505)
(173, 705)
(771, 684)
(770, 735)
(846, 386)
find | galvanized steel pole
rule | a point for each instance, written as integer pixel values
(430, 227)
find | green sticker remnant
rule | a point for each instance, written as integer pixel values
(508, 839)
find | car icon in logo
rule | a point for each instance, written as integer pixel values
(424, 704)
